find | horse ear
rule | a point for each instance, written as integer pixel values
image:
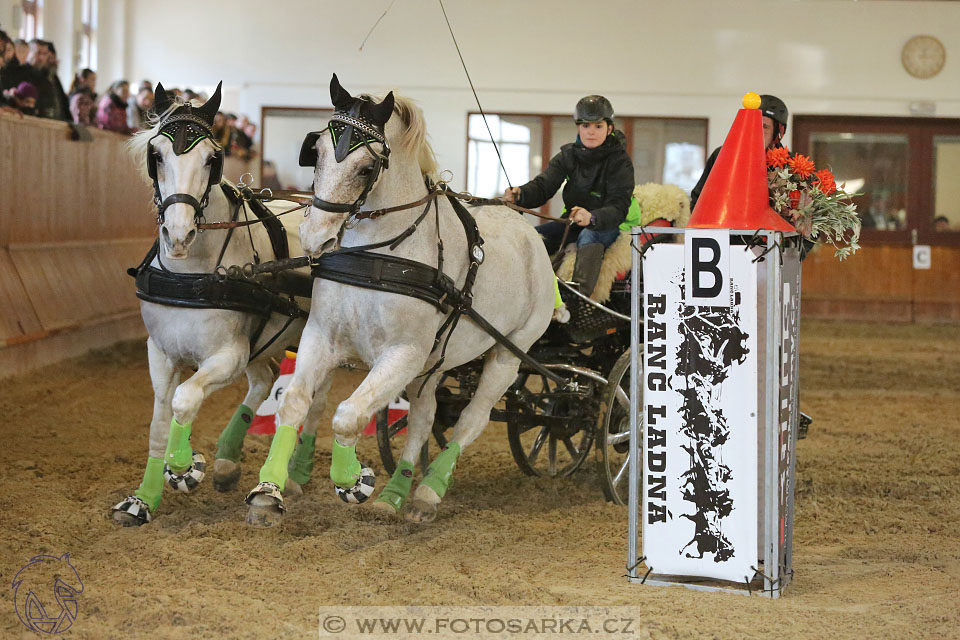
(381, 112)
(338, 95)
(211, 106)
(161, 101)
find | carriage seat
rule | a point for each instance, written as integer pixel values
(660, 205)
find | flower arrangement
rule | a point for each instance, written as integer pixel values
(811, 201)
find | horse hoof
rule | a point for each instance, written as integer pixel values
(131, 512)
(362, 490)
(420, 512)
(292, 489)
(266, 505)
(188, 480)
(226, 474)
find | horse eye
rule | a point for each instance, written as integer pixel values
(366, 171)
(157, 156)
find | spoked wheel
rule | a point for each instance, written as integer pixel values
(391, 437)
(613, 440)
(551, 429)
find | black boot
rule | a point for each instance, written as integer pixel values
(587, 268)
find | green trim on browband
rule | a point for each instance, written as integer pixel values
(166, 133)
(333, 137)
(194, 143)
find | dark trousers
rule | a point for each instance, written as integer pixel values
(552, 233)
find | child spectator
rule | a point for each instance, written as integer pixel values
(112, 108)
(83, 105)
(24, 98)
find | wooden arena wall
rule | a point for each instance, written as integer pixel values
(73, 217)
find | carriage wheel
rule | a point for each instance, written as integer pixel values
(613, 440)
(390, 440)
(545, 447)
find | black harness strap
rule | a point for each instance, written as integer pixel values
(199, 291)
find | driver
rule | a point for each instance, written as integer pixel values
(599, 184)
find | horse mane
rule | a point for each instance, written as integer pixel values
(413, 135)
(137, 145)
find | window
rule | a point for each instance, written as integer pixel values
(31, 25)
(907, 171)
(664, 150)
(86, 57)
(519, 139)
(282, 130)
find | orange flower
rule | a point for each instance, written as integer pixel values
(801, 166)
(824, 181)
(794, 199)
(777, 157)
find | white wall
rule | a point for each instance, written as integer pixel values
(669, 58)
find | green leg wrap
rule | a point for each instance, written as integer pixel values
(275, 468)
(344, 468)
(440, 473)
(152, 486)
(557, 300)
(179, 453)
(301, 464)
(396, 491)
(230, 442)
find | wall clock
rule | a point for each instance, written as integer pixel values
(923, 56)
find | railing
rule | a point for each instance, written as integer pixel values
(73, 217)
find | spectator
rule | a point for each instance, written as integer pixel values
(22, 49)
(62, 104)
(138, 107)
(23, 98)
(941, 223)
(228, 135)
(42, 59)
(12, 71)
(83, 100)
(112, 108)
(241, 140)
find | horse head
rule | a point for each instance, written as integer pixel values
(184, 162)
(343, 179)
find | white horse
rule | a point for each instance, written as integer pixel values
(179, 155)
(394, 334)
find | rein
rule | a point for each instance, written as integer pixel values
(305, 199)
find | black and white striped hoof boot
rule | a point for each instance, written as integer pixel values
(188, 480)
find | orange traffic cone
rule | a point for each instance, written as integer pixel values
(736, 195)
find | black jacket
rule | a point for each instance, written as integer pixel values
(600, 180)
(695, 194)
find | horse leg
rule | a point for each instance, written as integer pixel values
(423, 407)
(226, 468)
(386, 379)
(499, 372)
(301, 463)
(136, 509)
(184, 468)
(315, 361)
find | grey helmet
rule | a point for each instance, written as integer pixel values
(774, 108)
(593, 109)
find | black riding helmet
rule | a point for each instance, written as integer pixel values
(594, 109)
(774, 108)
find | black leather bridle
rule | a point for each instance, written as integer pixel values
(349, 132)
(185, 129)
